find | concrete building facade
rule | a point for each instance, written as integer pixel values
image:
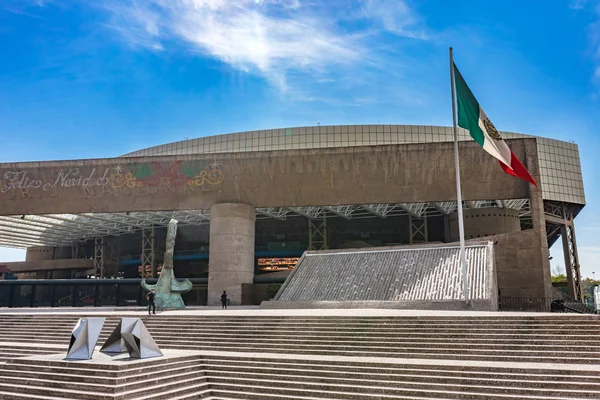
(305, 188)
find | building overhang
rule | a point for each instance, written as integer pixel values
(67, 230)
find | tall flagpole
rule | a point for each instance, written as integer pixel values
(461, 225)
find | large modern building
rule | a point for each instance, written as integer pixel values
(251, 203)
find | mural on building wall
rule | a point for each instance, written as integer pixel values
(132, 178)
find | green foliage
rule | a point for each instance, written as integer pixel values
(272, 290)
(587, 286)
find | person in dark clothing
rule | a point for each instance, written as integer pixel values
(224, 300)
(151, 302)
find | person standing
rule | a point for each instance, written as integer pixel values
(224, 300)
(151, 302)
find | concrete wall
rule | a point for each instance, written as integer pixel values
(330, 176)
(255, 294)
(49, 265)
(62, 253)
(482, 222)
(522, 265)
(560, 166)
(39, 253)
(535, 260)
(231, 251)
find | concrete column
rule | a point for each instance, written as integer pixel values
(231, 251)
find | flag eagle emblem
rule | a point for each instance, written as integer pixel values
(491, 129)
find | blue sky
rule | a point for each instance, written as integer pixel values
(100, 78)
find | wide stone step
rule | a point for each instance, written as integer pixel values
(359, 392)
(350, 321)
(39, 389)
(24, 351)
(195, 325)
(90, 391)
(166, 391)
(591, 342)
(32, 369)
(55, 313)
(457, 352)
(235, 395)
(25, 396)
(400, 387)
(190, 391)
(99, 376)
(265, 314)
(350, 364)
(337, 336)
(354, 321)
(317, 357)
(377, 347)
(383, 349)
(108, 368)
(447, 376)
(516, 357)
(441, 343)
(342, 335)
(98, 389)
(492, 385)
(300, 320)
(319, 321)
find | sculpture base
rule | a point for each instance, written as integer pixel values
(111, 362)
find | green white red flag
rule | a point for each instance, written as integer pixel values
(472, 118)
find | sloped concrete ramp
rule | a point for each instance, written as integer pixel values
(420, 277)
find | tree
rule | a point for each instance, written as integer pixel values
(587, 287)
(559, 278)
(558, 270)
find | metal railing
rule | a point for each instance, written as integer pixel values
(82, 296)
(545, 304)
(82, 292)
(94, 292)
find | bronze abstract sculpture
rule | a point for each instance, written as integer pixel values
(168, 289)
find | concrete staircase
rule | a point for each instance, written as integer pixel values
(327, 357)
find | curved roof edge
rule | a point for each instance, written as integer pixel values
(326, 129)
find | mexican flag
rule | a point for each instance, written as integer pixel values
(472, 117)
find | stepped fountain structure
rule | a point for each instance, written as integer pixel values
(168, 289)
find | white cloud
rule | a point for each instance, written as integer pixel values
(578, 4)
(259, 37)
(594, 35)
(591, 8)
(590, 249)
(395, 16)
(276, 39)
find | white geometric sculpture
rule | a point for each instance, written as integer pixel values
(84, 338)
(132, 333)
(114, 343)
(597, 297)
